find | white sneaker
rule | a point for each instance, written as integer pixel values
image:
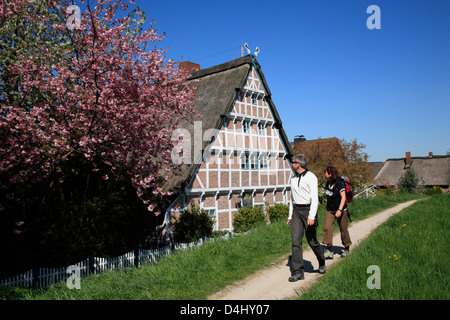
(328, 254)
(345, 253)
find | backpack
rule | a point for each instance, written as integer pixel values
(348, 189)
(348, 193)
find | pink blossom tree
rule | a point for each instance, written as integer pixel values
(97, 92)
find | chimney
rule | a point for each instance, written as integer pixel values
(408, 160)
(189, 66)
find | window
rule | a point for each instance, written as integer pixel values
(254, 161)
(211, 212)
(212, 215)
(254, 165)
(264, 161)
(245, 161)
(261, 129)
(246, 126)
(254, 99)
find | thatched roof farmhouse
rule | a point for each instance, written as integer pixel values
(434, 170)
(236, 153)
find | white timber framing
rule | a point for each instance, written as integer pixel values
(267, 171)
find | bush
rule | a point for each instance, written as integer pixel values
(192, 225)
(434, 190)
(409, 181)
(248, 218)
(278, 211)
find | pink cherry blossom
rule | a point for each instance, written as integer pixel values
(110, 99)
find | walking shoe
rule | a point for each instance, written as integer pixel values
(296, 277)
(328, 254)
(322, 269)
(345, 253)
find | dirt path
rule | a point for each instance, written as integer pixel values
(272, 283)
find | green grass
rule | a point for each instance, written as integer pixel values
(191, 274)
(412, 251)
(198, 273)
(362, 208)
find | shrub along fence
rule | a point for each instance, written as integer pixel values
(44, 277)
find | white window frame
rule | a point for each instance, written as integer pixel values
(246, 126)
(254, 161)
(261, 128)
(245, 160)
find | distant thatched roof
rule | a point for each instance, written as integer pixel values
(376, 167)
(216, 91)
(434, 170)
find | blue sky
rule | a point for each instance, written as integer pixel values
(330, 75)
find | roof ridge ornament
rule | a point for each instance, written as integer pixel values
(255, 54)
(253, 57)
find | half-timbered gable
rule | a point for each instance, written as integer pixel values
(244, 155)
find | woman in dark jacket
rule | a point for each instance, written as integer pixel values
(336, 210)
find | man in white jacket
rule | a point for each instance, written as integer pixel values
(303, 216)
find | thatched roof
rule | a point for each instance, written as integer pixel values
(434, 170)
(376, 167)
(216, 91)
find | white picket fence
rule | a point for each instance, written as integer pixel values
(45, 276)
(367, 191)
(135, 258)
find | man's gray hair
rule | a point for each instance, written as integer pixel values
(300, 158)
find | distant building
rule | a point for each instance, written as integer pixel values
(299, 139)
(434, 170)
(240, 154)
(376, 167)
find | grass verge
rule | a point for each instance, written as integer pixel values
(411, 251)
(198, 273)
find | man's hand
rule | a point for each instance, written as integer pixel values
(310, 222)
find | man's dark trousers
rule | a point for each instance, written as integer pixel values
(298, 226)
